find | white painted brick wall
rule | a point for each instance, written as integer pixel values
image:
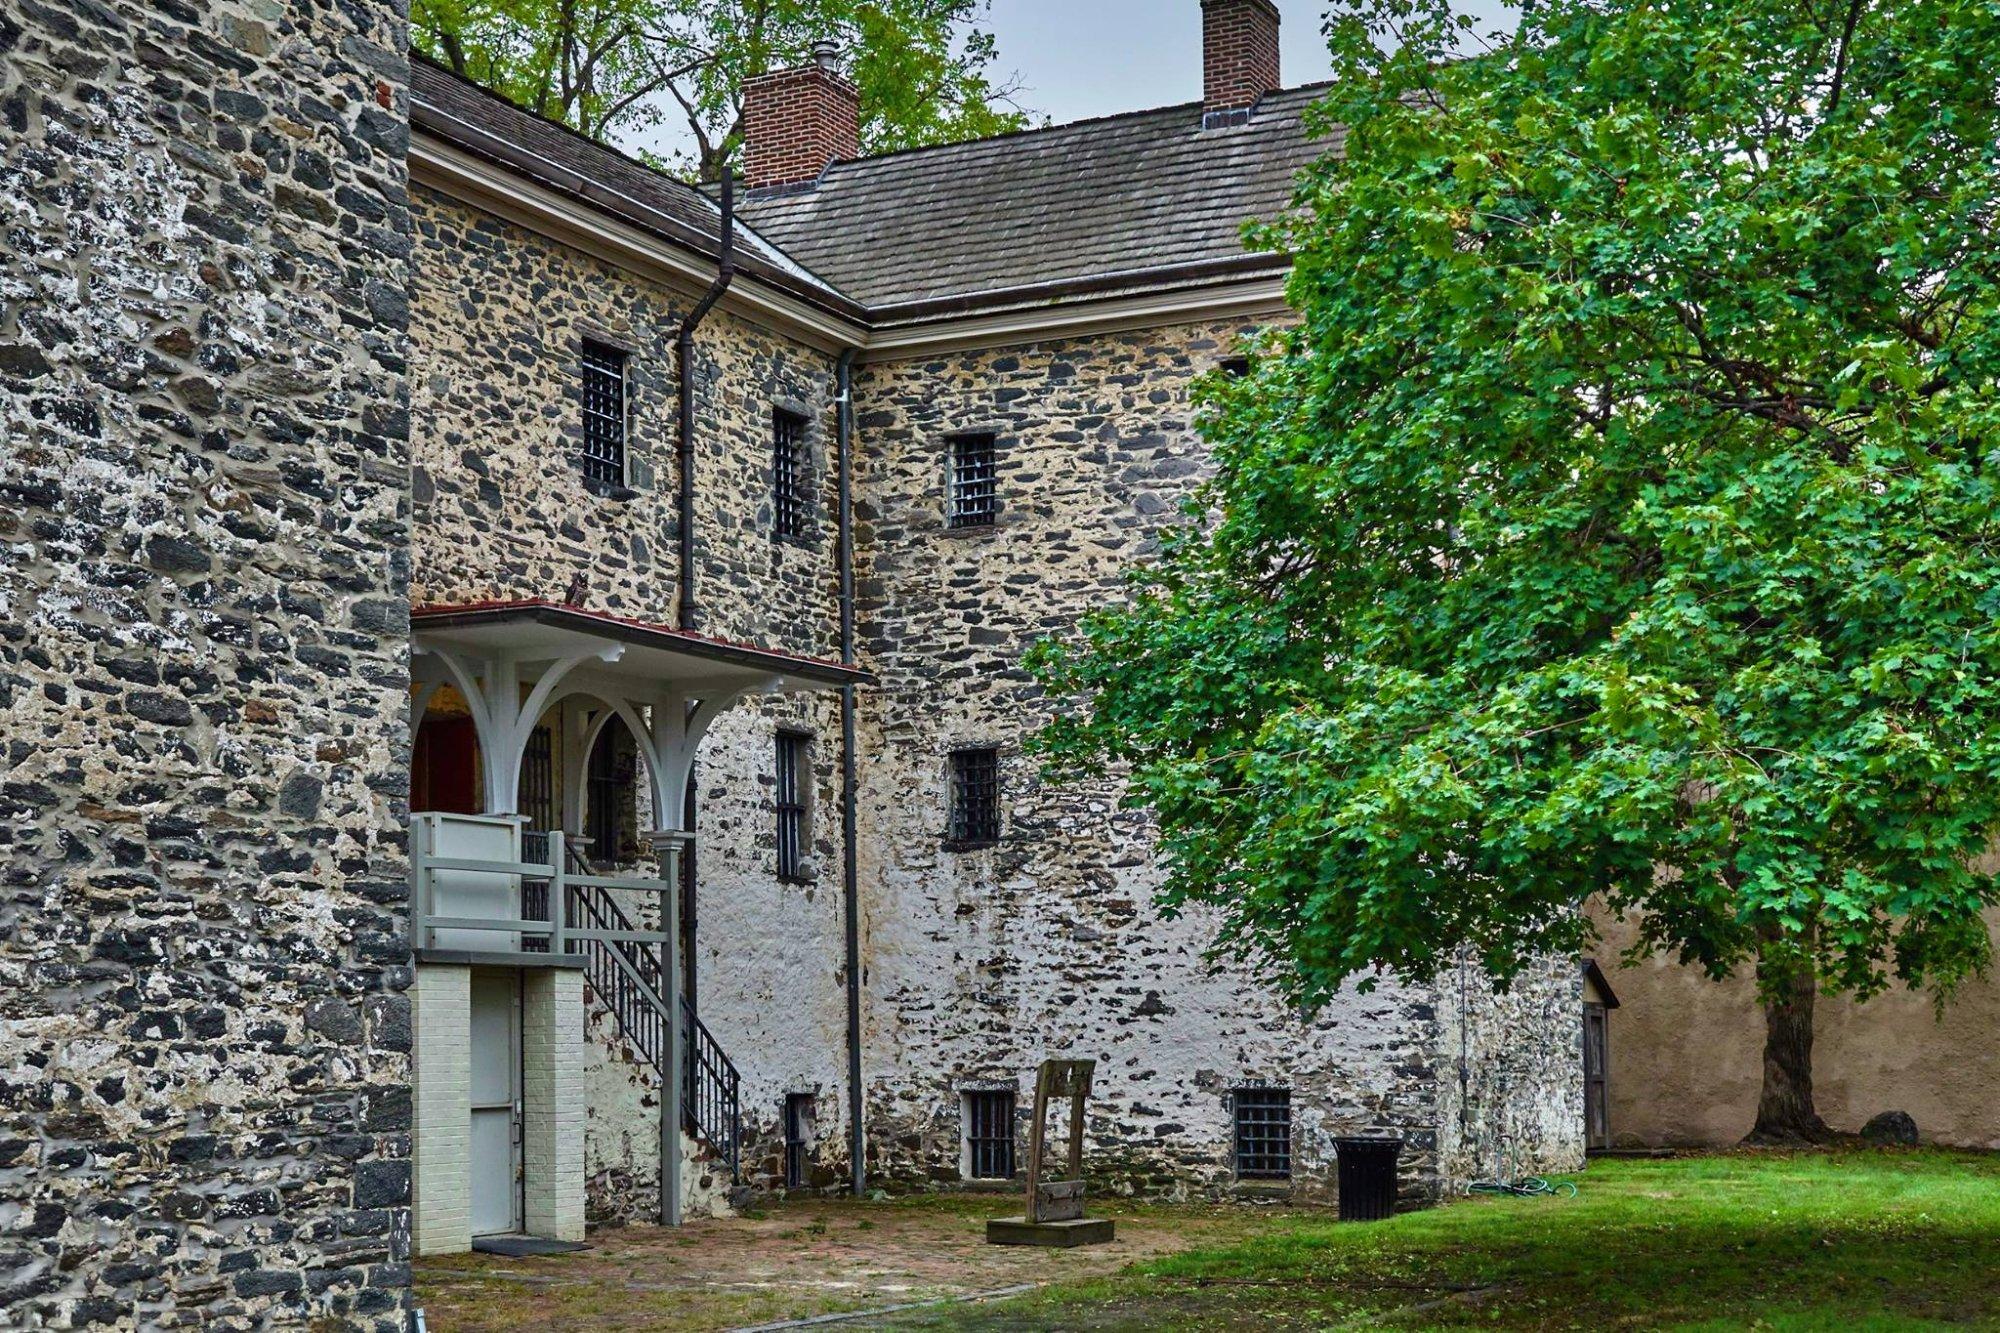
(441, 1018)
(553, 1115)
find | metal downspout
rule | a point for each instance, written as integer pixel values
(671, 1092)
(725, 273)
(850, 880)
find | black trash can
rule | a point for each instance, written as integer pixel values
(1366, 1174)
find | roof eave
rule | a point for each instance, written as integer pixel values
(619, 629)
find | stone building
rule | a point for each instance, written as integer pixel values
(420, 519)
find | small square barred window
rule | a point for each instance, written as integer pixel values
(794, 767)
(1263, 1133)
(975, 797)
(974, 497)
(603, 457)
(989, 1135)
(791, 503)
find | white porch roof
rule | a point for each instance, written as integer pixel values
(655, 657)
(668, 685)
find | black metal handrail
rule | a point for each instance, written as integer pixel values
(629, 979)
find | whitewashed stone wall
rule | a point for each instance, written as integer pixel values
(982, 963)
(977, 964)
(503, 512)
(204, 1040)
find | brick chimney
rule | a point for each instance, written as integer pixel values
(795, 121)
(1239, 57)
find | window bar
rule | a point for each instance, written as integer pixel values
(975, 499)
(788, 473)
(975, 796)
(990, 1134)
(603, 458)
(1263, 1133)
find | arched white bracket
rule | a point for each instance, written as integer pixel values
(503, 720)
(420, 704)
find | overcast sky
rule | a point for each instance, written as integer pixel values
(1079, 58)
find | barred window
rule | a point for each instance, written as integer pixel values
(794, 769)
(974, 499)
(791, 501)
(537, 795)
(798, 1137)
(606, 793)
(975, 797)
(603, 457)
(1263, 1133)
(989, 1135)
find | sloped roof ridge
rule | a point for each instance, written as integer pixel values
(772, 251)
(600, 145)
(1086, 123)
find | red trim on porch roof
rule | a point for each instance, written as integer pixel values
(542, 609)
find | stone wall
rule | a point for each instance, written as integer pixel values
(503, 511)
(982, 963)
(1510, 1064)
(978, 964)
(204, 1069)
(499, 315)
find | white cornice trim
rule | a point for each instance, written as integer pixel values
(450, 170)
(1235, 298)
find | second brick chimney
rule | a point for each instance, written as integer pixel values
(1239, 57)
(795, 121)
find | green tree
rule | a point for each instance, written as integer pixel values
(611, 68)
(1617, 518)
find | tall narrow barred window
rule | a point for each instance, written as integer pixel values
(603, 457)
(975, 797)
(607, 794)
(794, 772)
(974, 499)
(791, 500)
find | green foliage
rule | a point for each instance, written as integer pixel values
(1617, 518)
(615, 67)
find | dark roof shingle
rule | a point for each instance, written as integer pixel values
(1073, 203)
(488, 125)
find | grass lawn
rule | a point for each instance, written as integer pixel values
(1853, 1240)
(1850, 1240)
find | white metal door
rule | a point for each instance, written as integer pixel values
(495, 1145)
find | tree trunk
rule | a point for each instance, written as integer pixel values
(1785, 1112)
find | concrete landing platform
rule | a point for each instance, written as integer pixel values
(1059, 1235)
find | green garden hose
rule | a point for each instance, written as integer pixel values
(1529, 1187)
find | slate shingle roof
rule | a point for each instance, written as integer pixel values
(1072, 203)
(489, 126)
(1116, 203)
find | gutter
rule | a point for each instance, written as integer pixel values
(725, 272)
(850, 877)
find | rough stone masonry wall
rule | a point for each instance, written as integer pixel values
(1510, 1095)
(502, 511)
(982, 963)
(204, 1070)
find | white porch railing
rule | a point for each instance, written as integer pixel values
(503, 881)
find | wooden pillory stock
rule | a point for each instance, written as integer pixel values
(1055, 1207)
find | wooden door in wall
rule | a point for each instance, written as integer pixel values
(1596, 1077)
(494, 1145)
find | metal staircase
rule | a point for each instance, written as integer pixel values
(630, 981)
